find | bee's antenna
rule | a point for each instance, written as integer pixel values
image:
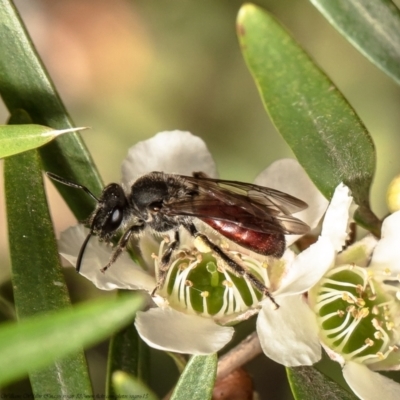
(82, 250)
(57, 178)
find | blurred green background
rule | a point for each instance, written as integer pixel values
(129, 69)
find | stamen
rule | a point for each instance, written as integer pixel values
(389, 326)
(340, 313)
(375, 310)
(349, 310)
(369, 342)
(183, 266)
(360, 302)
(227, 283)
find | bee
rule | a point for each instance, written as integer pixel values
(254, 217)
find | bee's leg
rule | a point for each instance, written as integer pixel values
(121, 246)
(232, 265)
(165, 262)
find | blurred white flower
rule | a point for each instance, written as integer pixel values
(199, 295)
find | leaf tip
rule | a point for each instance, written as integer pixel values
(245, 10)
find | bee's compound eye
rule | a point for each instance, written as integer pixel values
(114, 220)
(116, 216)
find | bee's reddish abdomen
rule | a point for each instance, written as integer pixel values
(267, 244)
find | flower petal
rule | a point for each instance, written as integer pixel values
(387, 251)
(123, 274)
(289, 335)
(288, 176)
(175, 152)
(338, 216)
(370, 385)
(307, 268)
(358, 253)
(171, 330)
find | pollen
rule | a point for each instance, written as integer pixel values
(227, 283)
(201, 246)
(363, 313)
(369, 342)
(182, 254)
(188, 283)
(346, 297)
(204, 294)
(360, 289)
(376, 324)
(183, 266)
(378, 335)
(360, 302)
(224, 245)
(154, 256)
(380, 355)
(389, 326)
(350, 309)
(264, 265)
(340, 313)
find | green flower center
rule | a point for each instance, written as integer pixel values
(199, 283)
(354, 314)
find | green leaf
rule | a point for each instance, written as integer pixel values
(372, 26)
(39, 340)
(190, 386)
(129, 387)
(307, 383)
(25, 84)
(37, 277)
(127, 353)
(322, 129)
(16, 139)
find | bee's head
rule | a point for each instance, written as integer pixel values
(109, 213)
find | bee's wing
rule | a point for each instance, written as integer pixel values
(250, 206)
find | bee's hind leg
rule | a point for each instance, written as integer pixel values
(235, 267)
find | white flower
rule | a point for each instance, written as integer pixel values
(194, 302)
(352, 310)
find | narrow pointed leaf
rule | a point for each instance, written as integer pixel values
(37, 277)
(16, 139)
(372, 26)
(43, 339)
(307, 383)
(128, 386)
(197, 380)
(25, 84)
(322, 129)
